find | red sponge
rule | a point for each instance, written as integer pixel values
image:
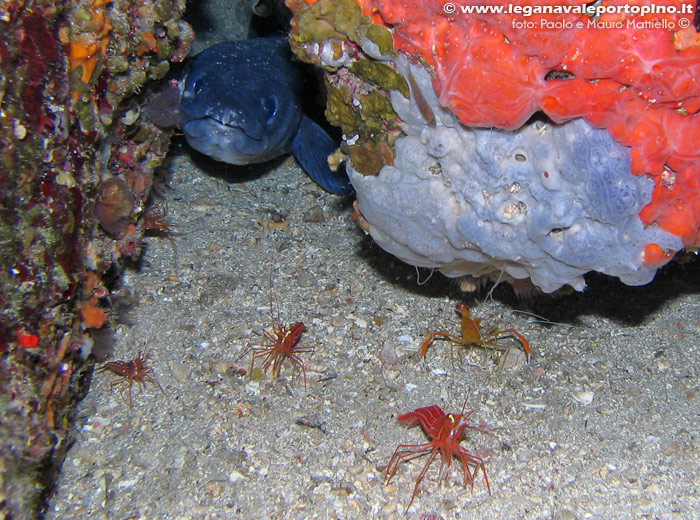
(638, 76)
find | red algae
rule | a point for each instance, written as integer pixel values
(38, 51)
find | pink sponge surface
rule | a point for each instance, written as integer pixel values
(639, 77)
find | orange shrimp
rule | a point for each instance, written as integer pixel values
(445, 433)
(472, 334)
(138, 369)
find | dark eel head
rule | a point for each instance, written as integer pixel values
(240, 103)
(238, 115)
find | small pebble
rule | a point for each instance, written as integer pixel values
(605, 410)
(534, 406)
(179, 371)
(223, 367)
(213, 489)
(585, 397)
(314, 214)
(252, 387)
(235, 476)
(567, 514)
(203, 204)
(126, 484)
(305, 280)
(513, 358)
(388, 355)
(356, 287)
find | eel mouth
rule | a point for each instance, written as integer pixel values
(225, 142)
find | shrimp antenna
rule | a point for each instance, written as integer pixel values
(464, 405)
(545, 321)
(275, 312)
(489, 296)
(418, 280)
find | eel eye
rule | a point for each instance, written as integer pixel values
(270, 105)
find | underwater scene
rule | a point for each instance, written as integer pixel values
(349, 259)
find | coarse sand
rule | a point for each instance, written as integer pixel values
(603, 423)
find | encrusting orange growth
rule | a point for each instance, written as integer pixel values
(86, 48)
(93, 316)
(149, 43)
(637, 76)
(655, 256)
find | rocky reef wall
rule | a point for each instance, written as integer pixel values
(77, 162)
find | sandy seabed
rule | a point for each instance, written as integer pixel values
(602, 423)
